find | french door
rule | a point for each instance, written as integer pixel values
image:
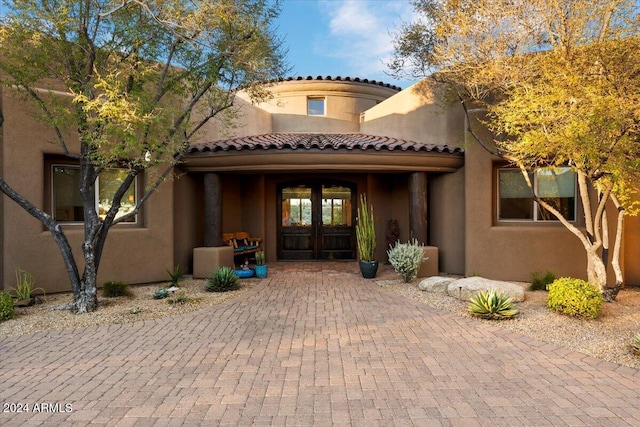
(316, 221)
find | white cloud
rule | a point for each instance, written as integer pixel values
(358, 33)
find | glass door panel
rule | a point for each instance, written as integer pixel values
(336, 232)
(297, 233)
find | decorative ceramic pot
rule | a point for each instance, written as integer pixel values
(368, 269)
(261, 271)
(243, 274)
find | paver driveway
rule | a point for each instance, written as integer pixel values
(314, 345)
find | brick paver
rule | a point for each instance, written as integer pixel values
(314, 344)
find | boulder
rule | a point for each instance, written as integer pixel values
(435, 284)
(469, 286)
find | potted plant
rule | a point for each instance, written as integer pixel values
(366, 236)
(261, 266)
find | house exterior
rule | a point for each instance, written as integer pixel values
(291, 173)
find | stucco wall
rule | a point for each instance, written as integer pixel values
(511, 251)
(132, 253)
(245, 119)
(188, 217)
(447, 220)
(416, 115)
(389, 195)
(344, 102)
(632, 251)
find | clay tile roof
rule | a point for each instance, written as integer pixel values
(346, 79)
(308, 141)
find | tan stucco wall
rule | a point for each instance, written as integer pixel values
(511, 251)
(415, 115)
(345, 101)
(632, 251)
(135, 254)
(447, 220)
(188, 217)
(244, 119)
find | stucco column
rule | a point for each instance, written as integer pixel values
(212, 210)
(418, 207)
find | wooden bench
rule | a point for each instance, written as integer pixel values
(242, 243)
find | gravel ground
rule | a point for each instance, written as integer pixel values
(607, 338)
(139, 306)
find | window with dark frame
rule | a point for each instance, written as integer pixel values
(556, 186)
(67, 205)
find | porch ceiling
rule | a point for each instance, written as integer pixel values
(277, 152)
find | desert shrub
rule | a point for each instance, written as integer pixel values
(635, 345)
(24, 285)
(406, 259)
(180, 298)
(160, 293)
(575, 297)
(492, 304)
(540, 281)
(6, 306)
(116, 289)
(175, 275)
(222, 280)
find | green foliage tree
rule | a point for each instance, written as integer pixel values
(560, 84)
(144, 78)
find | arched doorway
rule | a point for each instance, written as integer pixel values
(316, 220)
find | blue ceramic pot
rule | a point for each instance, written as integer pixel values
(261, 271)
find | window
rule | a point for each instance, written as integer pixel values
(67, 203)
(336, 206)
(556, 186)
(296, 207)
(315, 106)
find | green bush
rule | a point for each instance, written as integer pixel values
(116, 289)
(180, 298)
(575, 297)
(492, 304)
(6, 306)
(222, 280)
(406, 259)
(540, 281)
(635, 345)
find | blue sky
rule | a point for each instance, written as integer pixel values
(342, 37)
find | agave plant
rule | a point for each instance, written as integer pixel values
(492, 304)
(635, 345)
(222, 280)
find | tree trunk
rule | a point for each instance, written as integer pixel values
(597, 275)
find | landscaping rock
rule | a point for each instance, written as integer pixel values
(469, 286)
(435, 284)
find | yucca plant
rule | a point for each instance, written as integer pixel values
(222, 280)
(491, 304)
(635, 345)
(365, 230)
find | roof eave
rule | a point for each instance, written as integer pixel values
(317, 160)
